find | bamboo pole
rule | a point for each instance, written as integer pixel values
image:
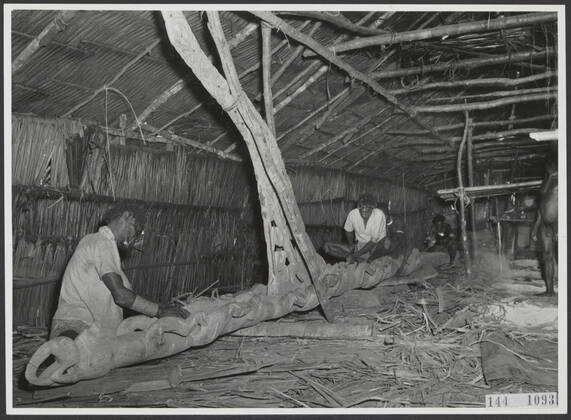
(114, 79)
(339, 21)
(58, 24)
(325, 53)
(266, 76)
(461, 196)
(488, 82)
(469, 63)
(498, 24)
(179, 84)
(486, 104)
(474, 125)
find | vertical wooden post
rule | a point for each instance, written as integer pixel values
(499, 228)
(471, 184)
(467, 262)
(266, 76)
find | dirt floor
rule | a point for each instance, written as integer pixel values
(442, 340)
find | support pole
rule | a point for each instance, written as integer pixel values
(499, 228)
(470, 158)
(461, 195)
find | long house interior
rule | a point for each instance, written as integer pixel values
(284, 208)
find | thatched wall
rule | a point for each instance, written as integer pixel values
(202, 219)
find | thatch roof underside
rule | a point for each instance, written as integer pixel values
(360, 131)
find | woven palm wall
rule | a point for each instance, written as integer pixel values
(202, 220)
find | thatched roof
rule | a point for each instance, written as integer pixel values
(424, 72)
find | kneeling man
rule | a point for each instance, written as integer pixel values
(365, 231)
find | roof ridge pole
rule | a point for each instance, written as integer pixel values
(328, 55)
(500, 23)
(58, 24)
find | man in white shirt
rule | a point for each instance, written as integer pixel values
(365, 230)
(94, 288)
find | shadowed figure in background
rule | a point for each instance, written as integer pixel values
(442, 238)
(546, 224)
(365, 232)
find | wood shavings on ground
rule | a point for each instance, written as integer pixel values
(426, 352)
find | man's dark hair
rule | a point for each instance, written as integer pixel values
(366, 200)
(438, 218)
(116, 211)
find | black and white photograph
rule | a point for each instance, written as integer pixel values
(293, 209)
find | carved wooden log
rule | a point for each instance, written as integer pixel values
(95, 352)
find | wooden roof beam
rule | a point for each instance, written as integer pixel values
(498, 123)
(496, 94)
(58, 24)
(325, 53)
(469, 63)
(445, 31)
(488, 82)
(486, 104)
(487, 136)
(338, 20)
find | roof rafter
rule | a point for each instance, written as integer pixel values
(58, 24)
(325, 53)
(448, 30)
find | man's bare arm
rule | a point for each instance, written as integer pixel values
(128, 299)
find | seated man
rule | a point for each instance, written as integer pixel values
(94, 288)
(365, 230)
(442, 238)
